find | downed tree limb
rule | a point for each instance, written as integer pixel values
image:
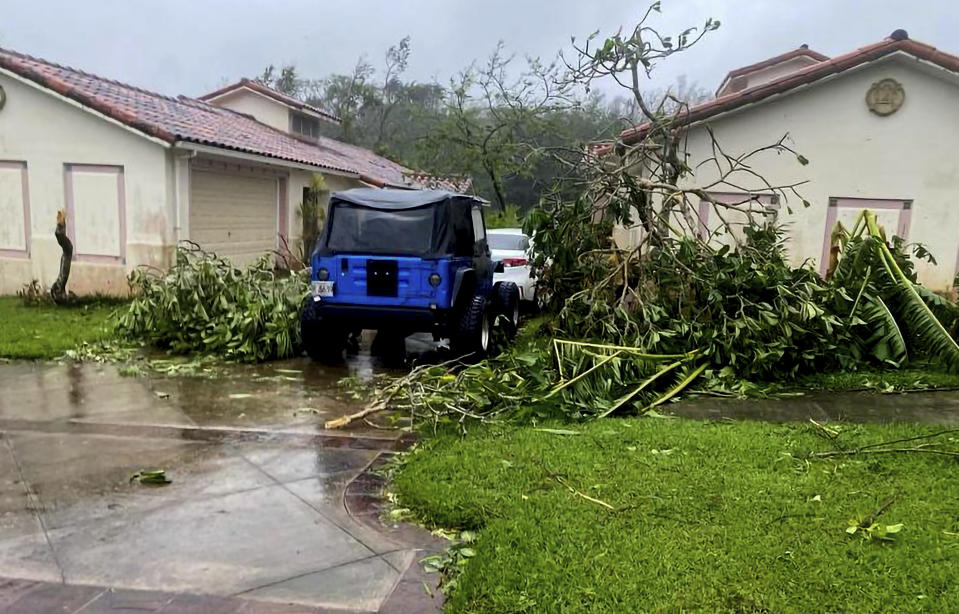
(882, 447)
(922, 449)
(383, 403)
(363, 413)
(583, 495)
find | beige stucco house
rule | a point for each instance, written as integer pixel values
(878, 126)
(137, 171)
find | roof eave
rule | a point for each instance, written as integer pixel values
(65, 93)
(229, 152)
(802, 78)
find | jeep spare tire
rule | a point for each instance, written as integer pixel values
(471, 334)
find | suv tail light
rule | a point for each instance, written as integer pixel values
(511, 262)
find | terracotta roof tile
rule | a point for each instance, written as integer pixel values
(462, 184)
(188, 119)
(809, 74)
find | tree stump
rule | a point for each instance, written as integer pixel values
(58, 291)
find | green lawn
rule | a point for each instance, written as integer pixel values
(709, 517)
(49, 331)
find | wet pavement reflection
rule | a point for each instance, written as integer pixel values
(255, 508)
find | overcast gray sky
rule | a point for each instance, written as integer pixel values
(191, 47)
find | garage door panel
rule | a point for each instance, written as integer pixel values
(233, 215)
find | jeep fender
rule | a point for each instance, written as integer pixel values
(464, 285)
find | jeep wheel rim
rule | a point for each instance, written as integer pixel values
(515, 313)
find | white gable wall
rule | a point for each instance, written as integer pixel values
(48, 133)
(767, 74)
(855, 153)
(262, 108)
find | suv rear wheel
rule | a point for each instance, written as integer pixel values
(472, 332)
(322, 342)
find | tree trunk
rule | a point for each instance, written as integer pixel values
(497, 186)
(59, 289)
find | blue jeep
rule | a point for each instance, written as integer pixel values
(400, 262)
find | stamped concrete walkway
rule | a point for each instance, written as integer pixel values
(254, 520)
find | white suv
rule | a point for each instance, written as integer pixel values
(511, 251)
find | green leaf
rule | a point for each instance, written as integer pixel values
(887, 341)
(152, 476)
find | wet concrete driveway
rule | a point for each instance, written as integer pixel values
(255, 510)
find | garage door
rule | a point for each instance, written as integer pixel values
(233, 215)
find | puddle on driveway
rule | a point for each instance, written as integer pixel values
(292, 394)
(255, 506)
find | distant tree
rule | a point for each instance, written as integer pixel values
(285, 81)
(347, 96)
(505, 123)
(393, 91)
(490, 122)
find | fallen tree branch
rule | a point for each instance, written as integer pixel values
(583, 495)
(383, 403)
(907, 439)
(363, 413)
(882, 447)
(882, 451)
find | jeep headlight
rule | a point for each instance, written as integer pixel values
(435, 279)
(323, 274)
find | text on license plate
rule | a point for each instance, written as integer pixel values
(322, 288)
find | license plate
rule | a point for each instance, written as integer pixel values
(322, 288)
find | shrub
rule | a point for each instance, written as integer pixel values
(511, 217)
(34, 294)
(206, 305)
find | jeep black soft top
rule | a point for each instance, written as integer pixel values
(424, 223)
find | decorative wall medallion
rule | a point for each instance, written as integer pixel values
(3, 98)
(885, 97)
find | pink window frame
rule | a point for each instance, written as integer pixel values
(78, 255)
(733, 197)
(25, 193)
(904, 205)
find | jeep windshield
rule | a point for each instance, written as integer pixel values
(357, 229)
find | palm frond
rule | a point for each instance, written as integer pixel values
(686, 381)
(887, 343)
(945, 310)
(626, 398)
(916, 316)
